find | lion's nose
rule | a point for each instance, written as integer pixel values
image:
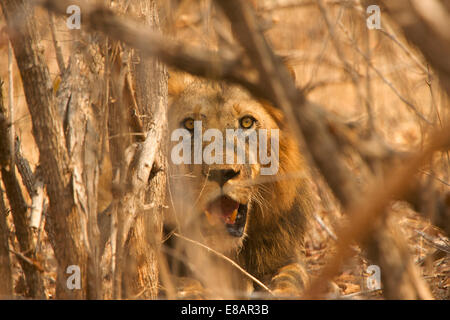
(222, 176)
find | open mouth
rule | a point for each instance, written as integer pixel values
(232, 213)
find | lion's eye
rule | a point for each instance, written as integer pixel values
(247, 122)
(188, 123)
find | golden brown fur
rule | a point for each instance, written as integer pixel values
(271, 245)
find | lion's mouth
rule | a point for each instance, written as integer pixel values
(232, 213)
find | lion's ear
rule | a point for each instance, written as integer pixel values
(288, 63)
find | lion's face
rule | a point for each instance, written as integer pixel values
(214, 202)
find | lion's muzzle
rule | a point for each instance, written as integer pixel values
(228, 211)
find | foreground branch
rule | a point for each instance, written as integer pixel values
(215, 65)
(64, 225)
(19, 208)
(367, 214)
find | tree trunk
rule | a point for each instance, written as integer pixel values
(66, 223)
(151, 94)
(6, 291)
(19, 208)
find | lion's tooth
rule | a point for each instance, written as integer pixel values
(233, 216)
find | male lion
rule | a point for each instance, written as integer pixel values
(256, 220)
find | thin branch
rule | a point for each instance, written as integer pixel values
(58, 50)
(432, 242)
(434, 177)
(12, 133)
(32, 263)
(409, 104)
(324, 226)
(404, 48)
(421, 29)
(234, 264)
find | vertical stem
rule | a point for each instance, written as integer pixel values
(11, 103)
(58, 50)
(6, 290)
